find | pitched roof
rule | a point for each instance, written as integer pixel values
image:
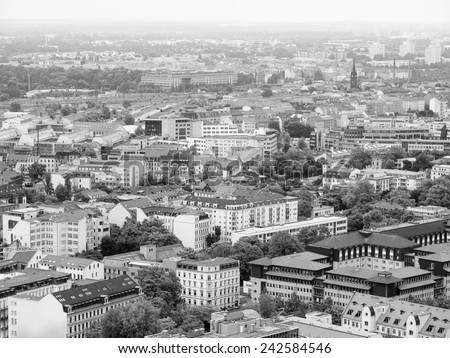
(414, 229)
(78, 295)
(356, 238)
(397, 312)
(67, 261)
(24, 256)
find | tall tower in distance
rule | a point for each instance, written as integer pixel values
(354, 77)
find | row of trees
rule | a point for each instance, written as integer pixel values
(133, 234)
(269, 306)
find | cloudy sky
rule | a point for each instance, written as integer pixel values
(400, 11)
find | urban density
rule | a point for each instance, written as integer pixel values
(224, 181)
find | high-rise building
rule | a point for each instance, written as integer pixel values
(407, 47)
(377, 49)
(433, 54)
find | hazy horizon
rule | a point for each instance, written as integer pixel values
(233, 11)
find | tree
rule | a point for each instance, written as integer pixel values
(68, 184)
(267, 306)
(245, 251)
(359, 159)
(296, 306)
(439, 195)
(211, 239)
(37, 171)
(371, 217)
(61, 193)
(423, 162)
(407, 165)
(106, 113)
(15, 107)
(318, 75)
(166, 324)
(139, 131)
(267, 93)
(389, 164)
(161, 287)
(400, 197)
(298, 130)
(129, 120)
(362, 192)
(126, 103)
(135, 320)
(274, 125)
(444, 132)
(282, 243)
(310, 235)
(90, 254)
(48, 183)
(304, 208)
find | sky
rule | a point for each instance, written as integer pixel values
(399, 11)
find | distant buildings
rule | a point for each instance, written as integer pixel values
(433, 54)
(407, 47)
(176, 79)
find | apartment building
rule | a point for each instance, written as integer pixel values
(440, 170)
(395, 318)
(287, 275)
(11, 218)
(221, 145)
(78, 268)
(36, 283)
(429, 211)
(238, 213)
(213, 282)
(336, 225)
(60, 234)
(69, 313)
(189, 225)
(387, 179)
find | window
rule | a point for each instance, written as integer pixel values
(430, 328)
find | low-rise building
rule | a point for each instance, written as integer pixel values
(130, 263)
(78, 268)
(336, 225)
(395, 318)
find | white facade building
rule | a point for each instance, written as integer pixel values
(213, 283)
(78, 268)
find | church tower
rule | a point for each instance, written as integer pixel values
(354, 77)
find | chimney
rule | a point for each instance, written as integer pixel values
(394, 70)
